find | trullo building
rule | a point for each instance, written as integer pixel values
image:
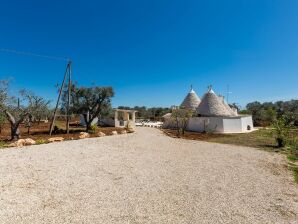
(212, 114)
(191, 101)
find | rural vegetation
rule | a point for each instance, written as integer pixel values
(91, 102)
(26, 109)
(265, 113)
(180, 117)
(27, 106)
(152, 113)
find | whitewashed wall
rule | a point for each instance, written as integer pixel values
(237, 125)
(208, 124)
(216, 124)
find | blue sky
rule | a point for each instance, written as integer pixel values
(152, 51)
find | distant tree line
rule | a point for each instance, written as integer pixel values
(264, 114)
(152, 113)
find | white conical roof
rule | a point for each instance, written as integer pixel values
(167, 115)
(191, 101)
(234, 113)
(212, 106)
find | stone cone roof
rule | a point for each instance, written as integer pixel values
(167, 115)
(234, 113)
(213, 106)
(191, 101)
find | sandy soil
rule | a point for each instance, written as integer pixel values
(145, 177)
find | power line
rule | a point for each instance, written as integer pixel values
(33, 54)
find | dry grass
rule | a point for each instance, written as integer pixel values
(257, 139)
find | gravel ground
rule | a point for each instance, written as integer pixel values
(145, 177)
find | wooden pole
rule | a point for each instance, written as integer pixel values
(57, 104)
(68, 98)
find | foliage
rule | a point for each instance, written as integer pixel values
(90, 102)
(40, 141)
(293, 146)
(265, 113)
(292, 157)
(39, 107)
(3, 93)
(295, 171)
(153, 113)
(181, 117)
(281, 131)
(28, 123)
(16, 110)
(2, 144)
(2, 121)
(94, 129)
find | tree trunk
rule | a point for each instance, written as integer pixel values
(88, 126)
(88, 121)
(14, 124)
(15, 131)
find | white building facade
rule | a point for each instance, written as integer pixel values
(212, 114)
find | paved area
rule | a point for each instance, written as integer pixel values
(145, 177)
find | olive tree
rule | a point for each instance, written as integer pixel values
(281, 130)
(90, 102)
(3, 101)
(181, 117)
(39, 106)
(2, 121)
(16, 110)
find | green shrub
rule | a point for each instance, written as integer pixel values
(295, 171)
(293, 147)
(94, 129)
(281, 131)
(292, 157)
(41, 141)
(2, 144)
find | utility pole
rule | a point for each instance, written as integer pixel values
(68, 98)
(66, 74)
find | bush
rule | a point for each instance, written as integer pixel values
(40, 141)
(93, 129)
(293, 147)
(281, 131)
(181, 118)
(2, 144)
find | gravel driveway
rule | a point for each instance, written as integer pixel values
(145, 177)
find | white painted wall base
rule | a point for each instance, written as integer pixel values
(239, 124)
